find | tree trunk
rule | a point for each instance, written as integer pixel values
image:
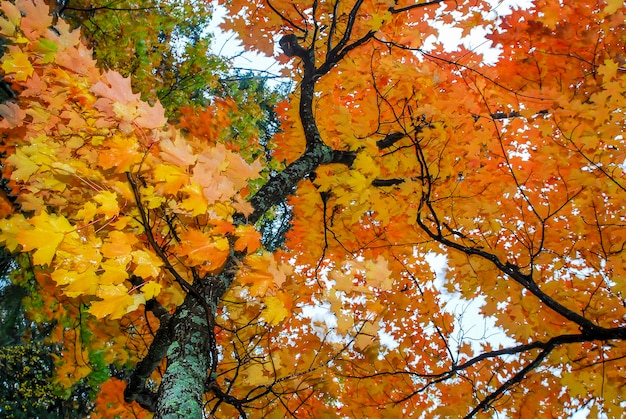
(188, 359)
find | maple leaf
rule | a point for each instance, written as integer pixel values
(79, 60)
(10, 228)
(173, 178)
(247, 238)
(264, 273)
(13, 14)
(108, 203)
(114, 272)
(110, 401)
(120, 153)
(76, 283)
(151, 289)
(613, 6)
(115, 302)
(47, 232)
(195, 202)
(473, 21)
(46, 50)
(256, 375)
(379, 19)
(36, 19)
(116, 88)
(367, 335)
(7, 27)
(147, 264)
(16, 62)
(13, 115)
(222, 227)
(118, 244)
(608, 69)
(274, 311)
(378, 274)
(118, 100)
(178, 152)
(64, 38)
(151, 117)
(208, 252)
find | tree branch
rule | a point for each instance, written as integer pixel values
(136, 386)
(283, 184)
(415, 6)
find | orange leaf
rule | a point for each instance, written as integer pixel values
(247, 238)
(210, 252)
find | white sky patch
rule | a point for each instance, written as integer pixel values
(469, 324)
(385, 338)
(323, 321)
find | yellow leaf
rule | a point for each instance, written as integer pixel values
(195, 203)
(608, 70)
(49, 231)
(613, 6)
(148, 265)
(151, 289)
(274, 311)
(87, 212)
(366, 335)
(6, 27)
(12, 12)
(23, 164)
(264, 273)
(378, 19)
(255, 375)
(343, 281)
(115, 302)
(17, 62)
(173, 178)
(10, 228)
(151, 197)
(108, 203)
(76, 284)
(345, 322)
(114, 272)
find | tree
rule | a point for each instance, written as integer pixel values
(179, 72)
(150, 261)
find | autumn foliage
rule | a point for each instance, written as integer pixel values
(391, 153)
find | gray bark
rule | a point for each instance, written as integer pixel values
(182, 387)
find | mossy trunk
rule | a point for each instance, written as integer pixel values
(188, 359)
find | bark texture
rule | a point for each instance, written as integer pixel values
(182, 387)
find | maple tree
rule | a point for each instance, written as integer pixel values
(146, 236)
